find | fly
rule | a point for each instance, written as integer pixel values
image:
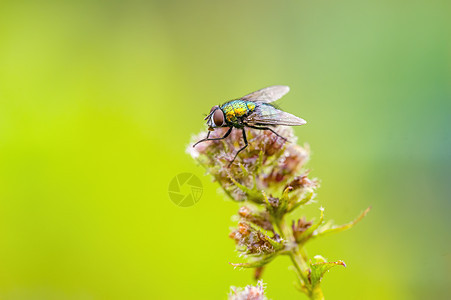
(254, 111)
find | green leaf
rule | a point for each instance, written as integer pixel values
(256, 263)
(318, 267)
(334, 229)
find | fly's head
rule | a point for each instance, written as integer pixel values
(215, 118)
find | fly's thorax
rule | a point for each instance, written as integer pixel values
(250, 106)
(236, 109)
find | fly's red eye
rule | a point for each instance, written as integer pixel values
(211, 111)
(218, 117)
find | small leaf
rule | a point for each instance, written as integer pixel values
(256, 263)
(319, 267)
(334, 229)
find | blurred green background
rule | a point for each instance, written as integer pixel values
(99, 99)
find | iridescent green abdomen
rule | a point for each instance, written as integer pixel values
(236, 109)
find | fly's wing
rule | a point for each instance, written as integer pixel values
(267, 95)
(266, 114)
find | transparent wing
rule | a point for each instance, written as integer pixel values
(266, 114)
(268, 94)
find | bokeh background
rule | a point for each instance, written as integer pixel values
(99, 99)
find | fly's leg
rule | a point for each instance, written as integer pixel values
(267, 128)
(245, 145)
(215, 139)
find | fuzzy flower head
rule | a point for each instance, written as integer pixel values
(250, 292)
(268, 163)
(253, 241)
(260, 218)
(269, 179)
(300, 227)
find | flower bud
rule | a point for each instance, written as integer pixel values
(253, 241)
(250, 292)
(299, 227)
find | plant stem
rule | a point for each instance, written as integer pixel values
(297, 264)
(316, 293)
(299, 260)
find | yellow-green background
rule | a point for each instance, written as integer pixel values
(98, 100)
